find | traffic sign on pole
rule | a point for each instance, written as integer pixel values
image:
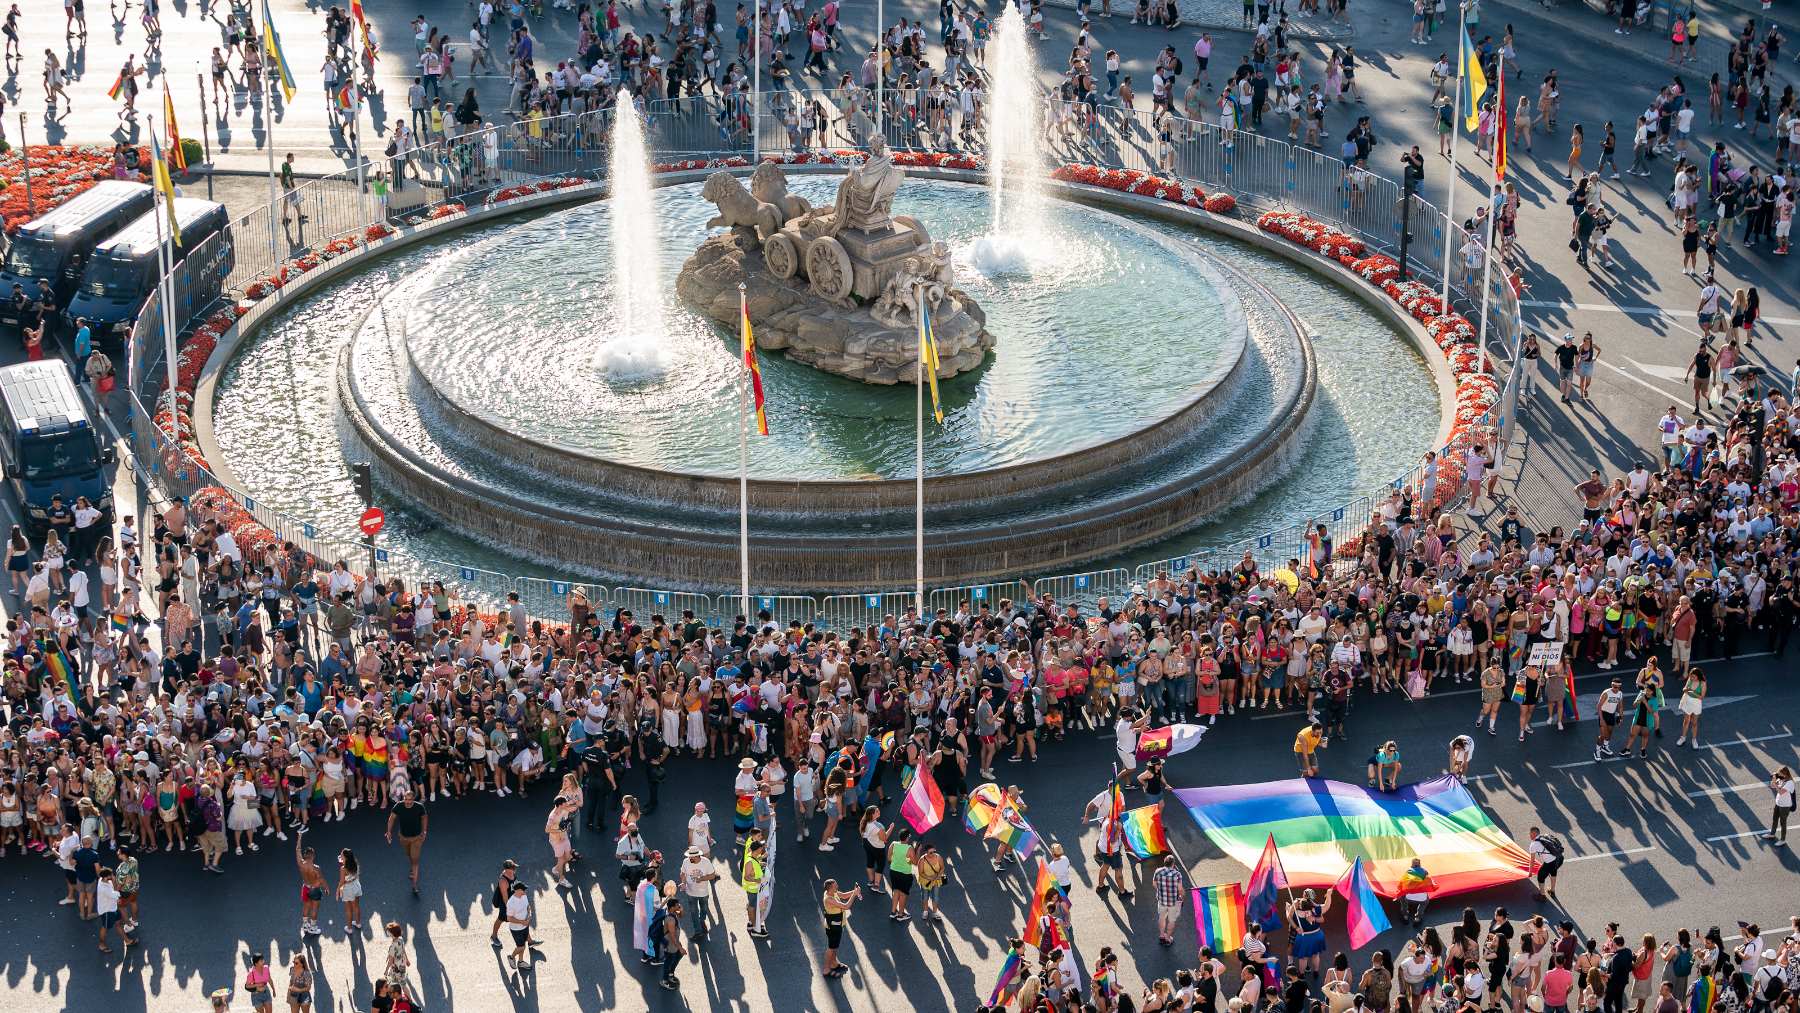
(371, 521)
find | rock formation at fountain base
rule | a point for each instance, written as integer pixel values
(848, 341)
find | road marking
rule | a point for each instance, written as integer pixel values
(1733, 837)
(1729, 790)
(1481, 777)
(1578, 763)
(1613, 854)
(1765, 935)
(1741, 741)
(1636, 311)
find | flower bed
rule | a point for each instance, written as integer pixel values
(1477, 391)
(446, 210)
(57, 173)
(1143, 184)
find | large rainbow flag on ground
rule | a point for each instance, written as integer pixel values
(1321, 827)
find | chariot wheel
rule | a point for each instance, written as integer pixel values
(780, 255)
(828, 267)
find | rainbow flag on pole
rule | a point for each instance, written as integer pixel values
(1041, 889)
(1144, 834)
(1363, 916)
(1322, 826)
(278, 58)
(60, 669)
(1011, 829)
(1219, 917)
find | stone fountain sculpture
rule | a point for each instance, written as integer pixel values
(837, 288)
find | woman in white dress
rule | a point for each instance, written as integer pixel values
(244, 818)
(693, 705)
(349, 891)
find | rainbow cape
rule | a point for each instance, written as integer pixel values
(1144, 834)
(1219, 916)
(1008, 981)
(1321, 826)
(1702, 995)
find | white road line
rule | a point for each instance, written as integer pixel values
(1729, 790)
(1577, 763)
(1636, 311)
(1770, 934)
(1613, 854)
(1482, 777)
(1733, 837)
(1741, 741)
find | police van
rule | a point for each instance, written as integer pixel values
(48, 446)
(55, 248)
(124, 270)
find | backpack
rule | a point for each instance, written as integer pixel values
(1553, 845)
(1683, 964)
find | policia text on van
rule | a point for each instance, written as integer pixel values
(55, 248)
(48, 446)
(123, 270)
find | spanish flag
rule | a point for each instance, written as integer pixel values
(1500, 126)
(1474, 81)
(159, 169)
(177, 158)
(749, 340)
(928, 357)
(272, 49)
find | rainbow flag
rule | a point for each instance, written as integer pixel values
(1518, 690)
(61, 670)
(1363, 917)
(121, 623)
(177, 158)
(346, 98)
(1009, 980)
(118, 87)
(1011, 829)
(1035, 916)
(1262, 902)
(1110, 831)
(1571, 709)
(1702, 994)
(277, 58)
(742, 816)
(928, 358)
(750, 366)
(1321, 826)
(1219, 917)
(984, 803)
(1144, 834)
(1416, 881)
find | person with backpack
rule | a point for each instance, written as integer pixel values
(1547, 853)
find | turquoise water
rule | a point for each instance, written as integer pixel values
(515, 330)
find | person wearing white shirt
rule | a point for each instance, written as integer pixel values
(697, 876)
(1782, 784)
(699, 829)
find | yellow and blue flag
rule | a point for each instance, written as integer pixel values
(1474, 81)
(272, 48)
(928, 356)
(159, 177)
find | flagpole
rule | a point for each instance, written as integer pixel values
(1455, 139)
(743, 464)
(165, 261)
(880, 74)
(919, 454)
(362, 182)
(1487, 260)
(268, 105)
(755, 92)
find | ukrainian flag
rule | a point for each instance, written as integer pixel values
(928, 355)
(272, 48)
(1474, 82)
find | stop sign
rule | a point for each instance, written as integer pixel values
(371, 521)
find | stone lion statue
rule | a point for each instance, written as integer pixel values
(737, 208)
(769, 185)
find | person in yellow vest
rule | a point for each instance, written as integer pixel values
(753, 884)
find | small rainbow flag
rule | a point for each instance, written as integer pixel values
(1416, 880)
(984, 802)
(1040, 905)
(742, 816)
(121, 622)
(346, 98)
(1702, 995)
(1144, 834)
(1011, 829)
(1009, 979)
(118, 87)
(1219, 916)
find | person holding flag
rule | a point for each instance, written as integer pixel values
(125, 87)
(1109, 854)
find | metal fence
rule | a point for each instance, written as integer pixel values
(1261, 172)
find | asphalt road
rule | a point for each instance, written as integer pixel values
(1654, 844)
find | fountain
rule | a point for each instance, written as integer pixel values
(634, 348)
(1015, 153)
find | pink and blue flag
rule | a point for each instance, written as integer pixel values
(1262, 898)
(1363, 916)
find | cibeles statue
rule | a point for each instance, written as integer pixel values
(837, 287)
(865, 199)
